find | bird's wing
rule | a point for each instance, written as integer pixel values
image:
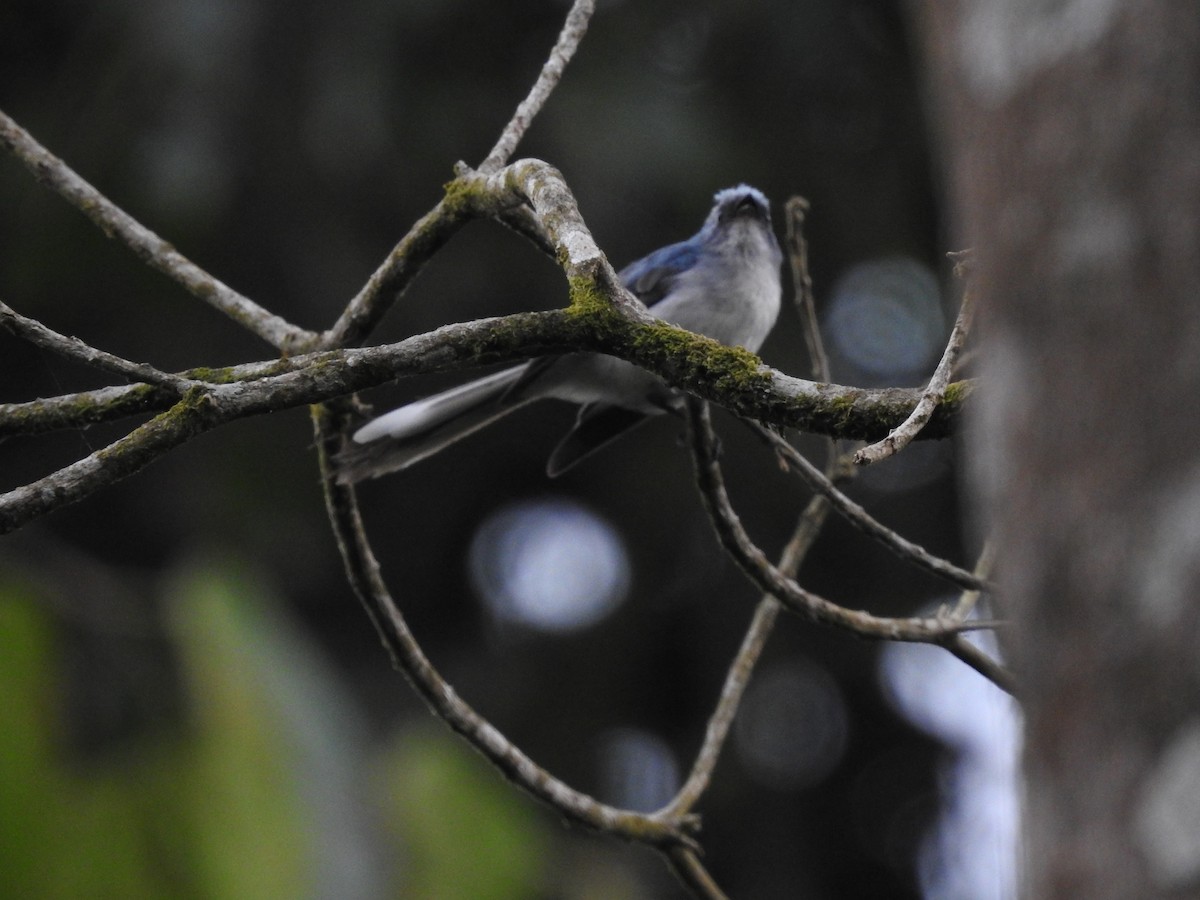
(651, 277)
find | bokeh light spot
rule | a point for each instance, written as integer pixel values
(791, 730)
(638, 769)
(885, 320)
(551, 564)
(972, 850)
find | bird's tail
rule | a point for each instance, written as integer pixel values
(403, 436)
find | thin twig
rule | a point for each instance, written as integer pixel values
(766, 613)
(362, 570)
(759, 569)
(968, 598)
(796, 209)
(73, 348)
(388, 282)
(902, 435)
(686, 865)
(959, 645)
(978, 660)
(435, 228)
(738, 677)
(145, 244)
(564, 48)
(864, 521)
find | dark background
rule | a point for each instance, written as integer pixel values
(286, 147)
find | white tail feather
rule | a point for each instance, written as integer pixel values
(406, 435)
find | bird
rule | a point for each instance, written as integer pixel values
(723, 282)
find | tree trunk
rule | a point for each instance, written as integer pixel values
(1072, 134)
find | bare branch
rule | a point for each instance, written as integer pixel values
(108, 404)
(387, 283)
(902, 435)
(317, 377)
(795, 211)
(758, 568)
(73, 348)
(146, 245)
(983, 570)
(362, 569)
(427, 236)
(863, 520)
(554, 225)
(193, 414)
(82, 409)
(727, 376)
(686, 865)
(989, 668)
(766, 613)
(569, 38)
(542, 187)
(738, 676)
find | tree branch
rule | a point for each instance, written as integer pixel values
(863, 520)
(145, 244)
(808, 527)
(362, 570)
(730, 377)
(758, 568)
(192, 415)
(795, 211)
(569, 38)
(388, 283)
(603, 317)
(73, 348)
(738, 677)
(692, 874)
(902, 435)
(81, 409)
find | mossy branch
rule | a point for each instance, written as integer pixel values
(730, 377)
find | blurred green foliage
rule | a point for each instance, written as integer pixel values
(465, 832)
(226, 806)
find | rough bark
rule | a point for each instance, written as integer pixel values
(1073, 136)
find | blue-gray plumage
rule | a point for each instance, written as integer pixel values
(722, 282)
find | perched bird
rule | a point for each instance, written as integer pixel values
(722, 282)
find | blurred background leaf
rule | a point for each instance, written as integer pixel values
(464, 835)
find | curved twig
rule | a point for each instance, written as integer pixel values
(388, 282)
(978, 660)
(738, 677)
(432, 230)
(362, 570)
(863, 520)
(758, 568)
(564, 48)
(902, 435)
